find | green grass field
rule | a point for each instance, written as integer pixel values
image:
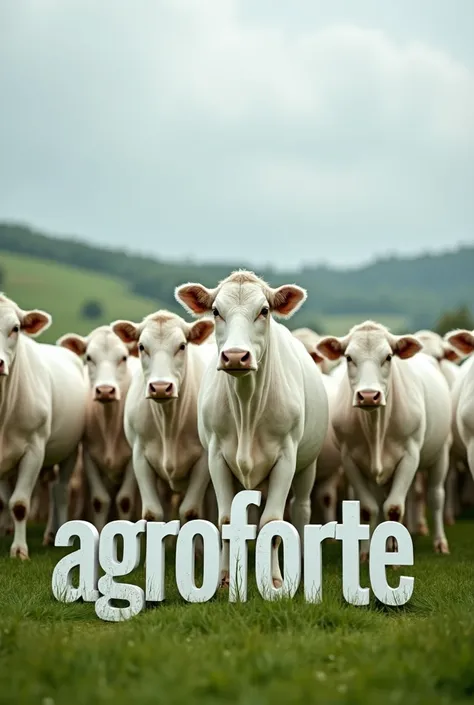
(254, 653)
(61, 291)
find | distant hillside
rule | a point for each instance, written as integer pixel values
(63, 290)
(405, 293)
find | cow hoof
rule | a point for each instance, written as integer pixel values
(394, 513)
(422, 530)
(225, 581)
(20, 552)
(441, 546)
(364, 557)
(449, 521)
(277, 583)
(48, 539)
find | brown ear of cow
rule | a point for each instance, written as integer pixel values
(331, 347)
(73, 342)
(462, 340)
(127, 331)
(34, 322)
(195, 298)
(200, 331)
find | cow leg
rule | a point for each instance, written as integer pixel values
(420, 505)
(192, 506)
(59, 493)
(279, 485)
(369, 506)
(300, 508)
(28, 472)
(5, 494)
(222, 481)
(326, 494)
(99, 495)
(436, 495)
(126, 494)
(152, 509)
(450, 490)
(403, 477)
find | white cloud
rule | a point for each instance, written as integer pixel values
(190, 130)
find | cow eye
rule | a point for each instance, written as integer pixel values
(88, 358)
(348, 358)
(141, 347)
(215, 312)
(15, 329)
(388, 358)
(265, 311)
(124, 358)
(182, 346)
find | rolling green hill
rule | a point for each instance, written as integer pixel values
(61, 290)
(404, 293)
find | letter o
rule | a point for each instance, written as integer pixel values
(185, 560)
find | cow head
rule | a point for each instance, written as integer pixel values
(13, 321)
(242, 306)
(368, 350)
(162, 340)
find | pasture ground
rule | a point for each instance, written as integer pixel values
(256, 653)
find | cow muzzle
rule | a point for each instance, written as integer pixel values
(162, 391)
(105, 393)
(369, 399)
(236, 361)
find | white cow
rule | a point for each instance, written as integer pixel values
(107, 456)
(329, 469)
(463, 399)
(42, 414)
(263, 411)
(391, 418)
(161, 414)
(447, 357)
(310, 339)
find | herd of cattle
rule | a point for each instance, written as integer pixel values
(168, 418)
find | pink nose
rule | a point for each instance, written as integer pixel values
(105, 392)
(160, 390)
(236, 359)
(369, 397)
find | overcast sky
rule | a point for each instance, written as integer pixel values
(263, 131)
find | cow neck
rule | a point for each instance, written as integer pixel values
(109, 417)
(374, 426)
(248, 397)
(172, 415)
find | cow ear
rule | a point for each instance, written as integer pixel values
(133, 349)
(317, 358)
(450, 354)
(195, 298)
(405, 346)
(35, 322)
(286, 300)
(331, 347)
(75, 343)
(200, 331)
(126, 331)
(462, 340)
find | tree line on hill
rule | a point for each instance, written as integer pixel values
(422, 289)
